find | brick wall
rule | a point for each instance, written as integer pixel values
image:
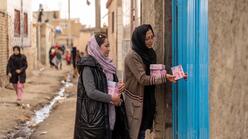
(3, 46)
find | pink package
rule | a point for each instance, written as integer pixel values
(157, 66)
(157, 70)
(113, 88)
(178, 72)
(163, 72)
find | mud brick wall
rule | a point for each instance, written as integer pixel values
(228, 41)
(153, 13)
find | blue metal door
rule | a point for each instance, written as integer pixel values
(190, 48)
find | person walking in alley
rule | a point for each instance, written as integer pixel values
(140, 86)
(16, 70)
(68, 57)
(74, 56)
(99, 114)
(52, 54)
(59, 56)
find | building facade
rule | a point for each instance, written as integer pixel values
(68, 35)
(219, 66)
(123, 17)
(214, 93)
(18, 27)
(44, 32)
(85, 34)
(114, 7)
(20, 13)
(47, 16)
(46, 41)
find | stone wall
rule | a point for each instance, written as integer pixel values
(228, 41)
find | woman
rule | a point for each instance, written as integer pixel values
(59, 58)
(52, 54)
(140, 86)
(96, 114)
(16, 70)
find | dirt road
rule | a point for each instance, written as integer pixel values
(60, 124)
(39, 90)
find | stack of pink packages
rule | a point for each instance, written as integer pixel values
(157, 70)
(113, 88)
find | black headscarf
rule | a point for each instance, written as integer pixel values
(148, 56)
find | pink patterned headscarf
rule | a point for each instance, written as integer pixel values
(94, 50)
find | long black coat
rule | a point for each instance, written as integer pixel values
(92, 120)
(17, 62)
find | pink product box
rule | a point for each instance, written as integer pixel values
(157, 66)
(157, 70)
(113, 88)
(178, 72)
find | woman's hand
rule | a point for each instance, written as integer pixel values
(171, 78)
(18, 71)
(9, 75)
(121, 86)
(116, 100)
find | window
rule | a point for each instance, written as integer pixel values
(25, 24)
(17, 24)
(113, 22)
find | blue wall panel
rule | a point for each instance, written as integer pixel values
(190, 48)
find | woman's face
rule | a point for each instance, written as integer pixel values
(149, 40)
(16, 51)
(105, 48)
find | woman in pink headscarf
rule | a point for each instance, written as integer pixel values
(99, 114)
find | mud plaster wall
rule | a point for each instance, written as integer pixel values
(228, 41)
(153, 13)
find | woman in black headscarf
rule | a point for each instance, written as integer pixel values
(16, 70)
(140, 95)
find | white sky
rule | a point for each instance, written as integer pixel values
(79, 9)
